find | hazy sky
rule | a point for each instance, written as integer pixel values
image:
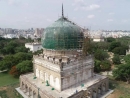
(94, 14)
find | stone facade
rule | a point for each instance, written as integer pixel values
(63, 72)
(62, 75)
(94, 91)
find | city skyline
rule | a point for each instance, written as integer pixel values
(94, 14)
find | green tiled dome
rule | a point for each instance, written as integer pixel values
(62, 34)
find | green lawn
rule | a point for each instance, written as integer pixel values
(121, 88)
(7, 79)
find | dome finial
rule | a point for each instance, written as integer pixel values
(62, 10)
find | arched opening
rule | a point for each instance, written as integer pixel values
(34, 94)
(46, 77)
(104, 87)
(57, 84)
(51, 80)
(26, 88)
(94, 94)
(37, 73)
(100, 89)
(41, 75)
(30, 91)
(22, 86)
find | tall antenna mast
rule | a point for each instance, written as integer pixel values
(62, 10)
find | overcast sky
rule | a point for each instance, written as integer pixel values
(93, 14)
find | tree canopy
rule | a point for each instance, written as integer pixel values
(10, 60)
(114, 45)
(122, 72)
(116, 59)
(7, 62)
(110, 39)
(25, 66)
(127, 58)
(101, 55)
(12, 46)
(97, 67)
(105, 65)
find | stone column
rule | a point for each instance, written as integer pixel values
(26, 89)
(34, 94)
(43, 76)
(99, 89)
(34, 69)
(49, 77)
(90, 93)
(30, 92)
(103, 88)
(92, 69)
(107, 85)
(61, 83)
(21, 85)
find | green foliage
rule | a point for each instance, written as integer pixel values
(116, 59)
(127, 58)
(7, 79)
(101, 55)
(97, 67)
(124, 40)
(105, 65)
(1, 38)
(21, 49)
(110, 39)
(12, 46)
(21, 56)
(13, 52)
(11, 60)
(38, 52)
(25, 66)
(122, 72)
(114, 45)
(86, 46)
(9, 91)
(102, 45)
(118, 48)
(7, 62)
(3, 94)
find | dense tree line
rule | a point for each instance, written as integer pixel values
(122, 72)
(100, 50)
(116, 59)
(16, 59)
(118, 48)
(12, 46)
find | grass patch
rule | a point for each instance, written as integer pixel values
(122, 89)
(9, 91)
(7, 79)
(7, 86)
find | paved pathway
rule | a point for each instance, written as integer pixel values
(2, 71)
(18, 90)
(107, 93)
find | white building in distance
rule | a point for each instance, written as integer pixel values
(33, 46)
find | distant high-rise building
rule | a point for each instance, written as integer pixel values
(38, 32)
(8, 31)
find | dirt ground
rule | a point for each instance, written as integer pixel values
(115, 94)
